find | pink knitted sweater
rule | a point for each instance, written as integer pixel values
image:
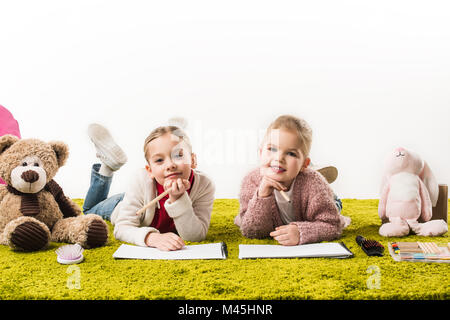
(318, 218)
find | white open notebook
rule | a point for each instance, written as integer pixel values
(314, 250)
(199, 251)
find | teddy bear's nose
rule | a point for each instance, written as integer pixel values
(30, 176)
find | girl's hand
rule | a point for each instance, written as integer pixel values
(164, 241)
(287, 235)
(267, 185)
(176, 188)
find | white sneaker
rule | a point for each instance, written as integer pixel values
(107, 149)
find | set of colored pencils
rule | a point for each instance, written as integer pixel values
(420, 251)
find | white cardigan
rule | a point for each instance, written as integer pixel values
(190, 213)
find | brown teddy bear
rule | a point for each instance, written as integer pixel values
(33, 207)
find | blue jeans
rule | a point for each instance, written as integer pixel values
(338, 203)
(96, 200)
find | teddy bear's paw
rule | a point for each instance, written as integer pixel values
(393, 230)
(29, 236)
(97, 234)
(432, 228)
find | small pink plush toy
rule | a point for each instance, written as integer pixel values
(409, 191)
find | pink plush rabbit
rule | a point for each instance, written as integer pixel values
(409, 190)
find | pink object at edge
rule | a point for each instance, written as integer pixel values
(8, 125)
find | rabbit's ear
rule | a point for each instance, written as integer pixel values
(382, 203)
(384, 181)
(386, 175)
(429, 180)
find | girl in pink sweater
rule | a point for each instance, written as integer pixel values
(285, 199)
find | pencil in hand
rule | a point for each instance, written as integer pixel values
(148, 205)
(285, 196)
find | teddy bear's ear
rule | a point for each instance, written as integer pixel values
(7, 141)
(61, 150)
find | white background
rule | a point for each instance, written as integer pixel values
(367, 75)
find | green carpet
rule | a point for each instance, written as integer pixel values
(39, 276)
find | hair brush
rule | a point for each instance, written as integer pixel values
(70, 254)
(370, 247)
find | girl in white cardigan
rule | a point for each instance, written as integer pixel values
(183, 214)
